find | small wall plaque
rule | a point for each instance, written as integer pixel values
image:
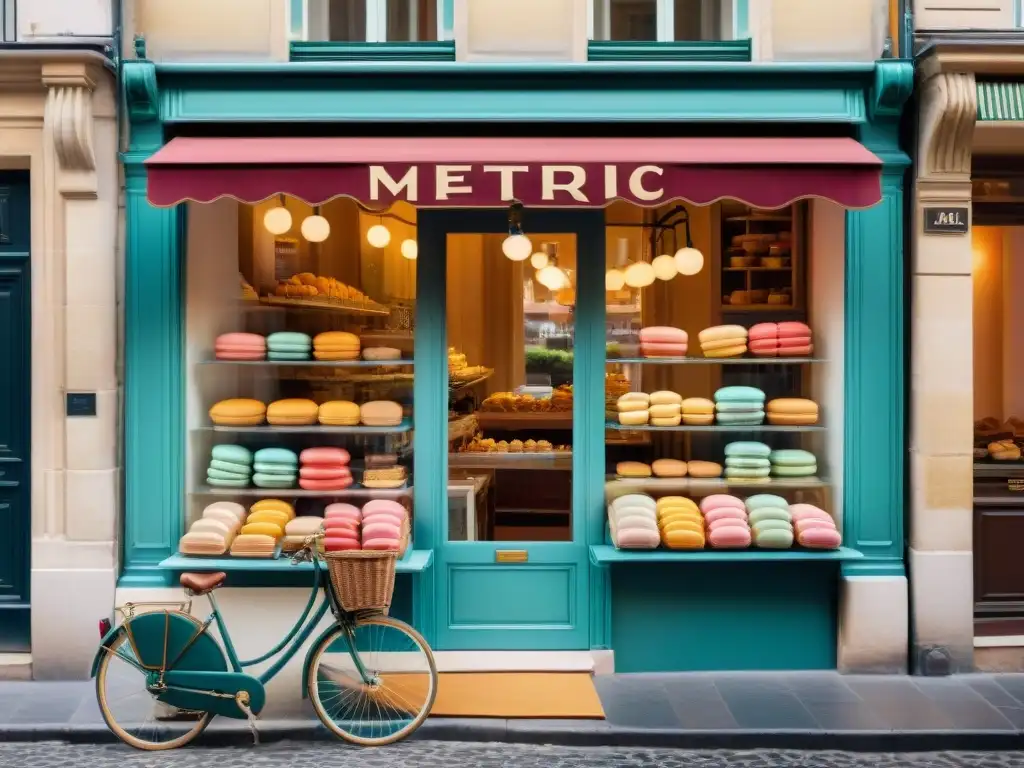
(80, 404)
(950, 221)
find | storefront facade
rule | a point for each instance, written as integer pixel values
(965, 512)
(523, 597)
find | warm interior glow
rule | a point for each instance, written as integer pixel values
(315, 229)
(277, 220)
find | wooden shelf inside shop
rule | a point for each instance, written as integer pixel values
(526, 420)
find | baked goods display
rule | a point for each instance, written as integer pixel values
(298, 529)
(336, 345)
(746, 460)
(739, 406)
(213, 533)
(663, 341)
(560, 401)
(379, 525)
(238, 412)
(668, 468)
(275, 468)
(292, 412)
(793, 462)
(306, 285)
(288, 345)
(230, 467)
(481, 444)
(723, 341)
(325, 469)
(240, 346)
(792, 411)
(787, 339)
(380, 413)
(383, 471)
(698, 411)
(338, 413)
(719, 521)
(1004, 450)
(304, 412)
(998, 440)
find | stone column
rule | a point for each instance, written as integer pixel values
(942, 387)
(74, 266)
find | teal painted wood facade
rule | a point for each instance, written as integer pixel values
(15, 412)
(646, 630)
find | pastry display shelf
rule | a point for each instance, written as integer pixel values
(496, 460)
(756, 216)
(339, 306)
(312, 363)
(606, 554)
(455, 385)
(619, 486)
(352, 492)
(414, 561)
(713, 360)
(715, 428)
(311, 429)
(524, 420)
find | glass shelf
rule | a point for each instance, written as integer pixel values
(313, 363)
(714, 428)
(618, 486)
(311, 429)
(713, 360)
(352, 492)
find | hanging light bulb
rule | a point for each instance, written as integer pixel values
(664, 267)
(315, 228)
(614, 280)
(517, 247)
(277, 220)
(639, 274)
(539, 260)
(689, 261)
(378, 236)
(552, 278)
(410, 250)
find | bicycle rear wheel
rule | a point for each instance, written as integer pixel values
(397, 693)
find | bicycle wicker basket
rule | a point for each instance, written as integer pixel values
(364, 580)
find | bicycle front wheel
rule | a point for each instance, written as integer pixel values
(373, 683)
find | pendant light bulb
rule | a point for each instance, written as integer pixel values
(539, 260)
(614, 280)
(410, 249)
(378, 236)
(689, 261)
(517, 247)
(277, 220)
(552, 278)
(315, 228)
(665, 267)
(639, 274)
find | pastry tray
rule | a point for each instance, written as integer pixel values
(276, 553)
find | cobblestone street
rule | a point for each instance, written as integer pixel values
(445, 754)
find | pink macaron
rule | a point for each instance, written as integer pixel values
(339, 484)
(796, 351)
(724, 522)
(383, 505)
(763, 332)
(651, 349)
(819, 538)
(348, 511)
(793, 329)
(720, 500)
(730, 537)
(328, 456)
(662, 334)
(324, 473)
(725, 513)
(808, 511)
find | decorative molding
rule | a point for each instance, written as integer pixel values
(723, 50)
(442, 50)
(949, 109)
(894, 82)
(140, 90)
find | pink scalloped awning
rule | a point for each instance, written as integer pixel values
(539, 172)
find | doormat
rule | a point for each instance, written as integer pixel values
(517, 694)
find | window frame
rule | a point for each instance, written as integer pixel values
(734, 13)
(376, 20)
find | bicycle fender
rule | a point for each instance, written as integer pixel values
(308, 662)
(105, 644)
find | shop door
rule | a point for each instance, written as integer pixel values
(517, 355)
(15, 389)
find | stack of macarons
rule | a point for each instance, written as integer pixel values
(739, 406)
(341, 527)
(787, 339)
(275, 468)
(662, 341)
(381, 413)
(680, 523)
(382, 353)
(665, 409)
(815, 528)
(633, 522)
(338, 413)
(770, 521)
(240, 346)
(238, 412)
(214, 532)
(292, 411)
(698, 411)
(288, 345)
(634, 409)
(725, 520)
(746, 460)
(792, 411)
(793, 462)
(325, 469)
(668, 468)
(723, 341)
(230, 467)
(264, 528)
(298, 529)
(336, 345)
(379, 526)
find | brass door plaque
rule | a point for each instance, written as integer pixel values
(511, 556)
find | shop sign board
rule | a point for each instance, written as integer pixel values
(947, 220)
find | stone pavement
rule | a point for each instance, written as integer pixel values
(434, 754)
(799, 710)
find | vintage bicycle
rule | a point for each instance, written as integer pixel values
(371, 678)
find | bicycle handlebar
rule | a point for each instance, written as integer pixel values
(308, 551)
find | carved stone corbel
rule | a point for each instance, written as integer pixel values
(68, 121)
(949, 110)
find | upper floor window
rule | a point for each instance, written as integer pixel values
(365, 21)
(663, 20)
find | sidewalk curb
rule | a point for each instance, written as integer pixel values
(573, 733)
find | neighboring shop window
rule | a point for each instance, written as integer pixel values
(717, 393)
(662, 20)
(511, 337)
(300, 374)
(360, 21)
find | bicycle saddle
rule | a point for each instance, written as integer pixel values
(201, 583)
